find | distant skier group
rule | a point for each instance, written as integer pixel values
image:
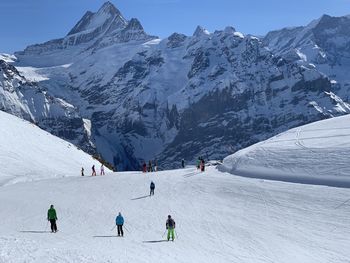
(102, 170)
(119, 220)
(152, 166)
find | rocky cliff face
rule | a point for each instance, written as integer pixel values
(324, 43)
(140, 98)
(30, 101)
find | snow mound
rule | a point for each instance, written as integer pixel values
(316, 153)
(28, 153)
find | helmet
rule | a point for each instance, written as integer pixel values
(169, 216)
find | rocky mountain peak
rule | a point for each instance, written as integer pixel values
(200, 31)
(135, 25)
(107, 15)
(108, 8)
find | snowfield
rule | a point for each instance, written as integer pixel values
(219, 217)
(29, 153)
(317, 153)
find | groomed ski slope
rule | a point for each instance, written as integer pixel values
(219, 217)
(317, 153)
(28, 153)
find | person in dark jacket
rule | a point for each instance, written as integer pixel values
(170, 226)
(82, 171)
(119, 221)
(150, 168)
(152, 186)
(183, 163)
(198, 162)
(52, 217)
(155, 165)
(93, 170)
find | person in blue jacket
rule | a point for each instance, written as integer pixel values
(119, 221)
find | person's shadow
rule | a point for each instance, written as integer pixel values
(141, 197)
(155, 241)
(34, 231)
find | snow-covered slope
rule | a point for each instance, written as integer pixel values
(29, 153)
(317, 153)
(219, 217)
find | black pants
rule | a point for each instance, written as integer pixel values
(120, 230)
(53, 225)
(152, 191)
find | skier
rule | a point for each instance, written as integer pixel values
(202, 165)
(102, 169)
(93, 170)
(170, 226)
(52, 217)
(155, 166)
(150, 166)
(183, 163)
(144, 167)
(82, 171)
(119, 221)
(152, 186)
(198, 162)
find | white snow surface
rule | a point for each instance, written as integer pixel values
(219, 217)
(317, 153)
(28, 153)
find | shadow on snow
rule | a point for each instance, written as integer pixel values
(141, 197)
(155, 241)
(34, 231)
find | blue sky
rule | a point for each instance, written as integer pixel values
(24, 22)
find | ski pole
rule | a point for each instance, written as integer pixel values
(113, 228)
(164, 233)
(176, 233)
(126, 229)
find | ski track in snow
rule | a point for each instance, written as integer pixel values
(219, 217)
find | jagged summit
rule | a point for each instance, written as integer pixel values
(96, 30)
(107, 16)
(134, 24)
(108, 7)
(200, 31)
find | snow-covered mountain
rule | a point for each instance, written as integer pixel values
(181, 97)
(31, 101)
(28, 153)
(325, 43)
(316, 153)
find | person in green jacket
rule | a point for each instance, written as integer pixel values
(52, 217)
